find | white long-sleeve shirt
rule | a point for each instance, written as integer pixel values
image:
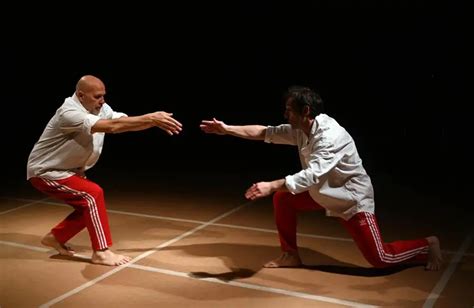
(67, 146)
(332, 169)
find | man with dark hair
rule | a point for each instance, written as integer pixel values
(332, 179)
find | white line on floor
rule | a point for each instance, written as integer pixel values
(138, 258)
(35, 248)
(256, 287)
(448, 272)
(448, 252)
(222, 225)
(31, 202)
(214, 280)
(200, 222)
(276, 232)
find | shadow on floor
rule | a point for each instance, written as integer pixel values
(360, 271)
(246, 260)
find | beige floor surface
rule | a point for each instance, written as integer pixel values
(206, 250)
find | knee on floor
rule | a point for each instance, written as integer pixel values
(377, 262)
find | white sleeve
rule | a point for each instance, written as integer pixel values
(71, 120)
(117, 115)
(282, 134)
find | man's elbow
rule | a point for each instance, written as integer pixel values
(109, 128)
(114, 129)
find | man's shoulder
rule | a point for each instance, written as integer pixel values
(70, 111)
(69, 102)
(326, 122)
(70, 105)
(331, 131)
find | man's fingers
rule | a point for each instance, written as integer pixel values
(176, 122)
(169, 123)
(166, 116)
(172, 129)
(169, 127)
(252, 193)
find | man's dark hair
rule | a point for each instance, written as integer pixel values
(303, 96)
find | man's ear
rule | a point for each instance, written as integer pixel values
(306, 111)
(79, 94)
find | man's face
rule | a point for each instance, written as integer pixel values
(292, 116)
(93, 99)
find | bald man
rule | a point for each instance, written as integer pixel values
(70, 144)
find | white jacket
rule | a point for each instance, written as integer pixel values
(332, 169)
(67, 146)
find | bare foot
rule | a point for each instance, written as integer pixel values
(286, 259)
(435, 259)
(50, 241)
(107, 257)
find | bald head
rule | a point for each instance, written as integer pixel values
(90, 91)
(89, 83)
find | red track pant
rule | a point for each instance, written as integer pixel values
(362, 227)
(87, 199)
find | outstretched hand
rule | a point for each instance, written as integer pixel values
(166, 122)
(213, 126)
(259, 190)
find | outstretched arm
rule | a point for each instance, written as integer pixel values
(253, 132)
(160, 119)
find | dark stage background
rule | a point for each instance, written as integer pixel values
(393, 77)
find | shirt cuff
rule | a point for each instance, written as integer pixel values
(117, 115)
(290, 184)
(269, 134)
(90, 121)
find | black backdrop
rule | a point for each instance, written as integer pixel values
(395, 77)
